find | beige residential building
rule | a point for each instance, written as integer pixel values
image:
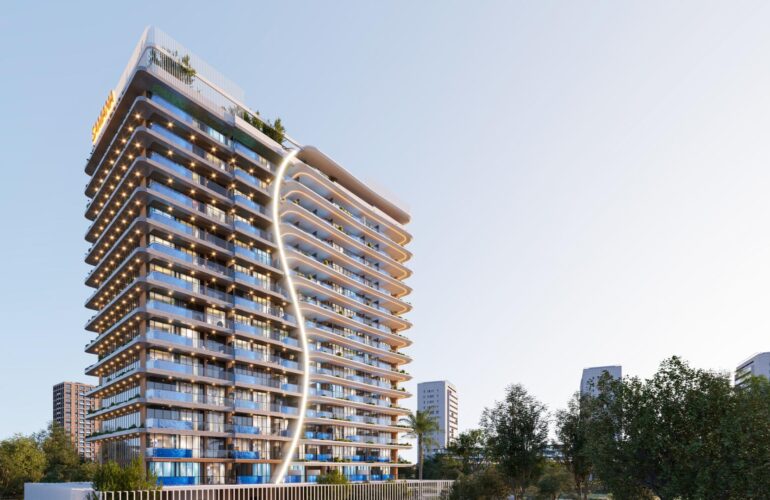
(71, 406)
(248, 290)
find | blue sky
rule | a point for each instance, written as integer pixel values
(588, 180)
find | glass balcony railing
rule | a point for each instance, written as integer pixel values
(178, 480)
(165, 423)
(263, 162)
(186, 397)
(266, 381)
(366, 262)
(251, 479)
(261, 257)
(193, 259)
(250, 203)
(199, 370)
(319, 414)
(324, 436)
(181, 143)
(262, 308)
(337, 228)
(330, 306)
(169, 452)
(197, 124)
(274, 334)
(287, 410)
(187, 341)
(212, 266)
(245, 429)
(321, 392)
(196, 205)
(260, 283)
(250, 405)
(260, 356)
(193, 286)
(119, 373)
(349, 335)
(188, 313)
(369, 439)
(194, 231)
(254, 181)
(185, 172)
(248, 228)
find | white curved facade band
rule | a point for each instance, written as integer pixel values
(278, 478)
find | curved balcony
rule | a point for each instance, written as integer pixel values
(365, 227)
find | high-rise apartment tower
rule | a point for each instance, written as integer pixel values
(439, 399)
(71, 406)
(248, 290)
(757, 365)
(591, 376)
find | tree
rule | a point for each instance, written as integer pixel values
(572, 434)
(516, 432)
(110, 476)
(334, 476)
(485, 484)
(275, 131)
(747, 434)
(684, 433)
(421, 426)
(63, 461)
(554, 481)
(468, 448)
(21, 461)
(442, 466)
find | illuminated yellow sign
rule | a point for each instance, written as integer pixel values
(105, 113)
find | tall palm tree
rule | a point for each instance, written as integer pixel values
(421, 426)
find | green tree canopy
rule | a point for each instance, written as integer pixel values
(516, 430)
(334, 476)
(63, 461)
(685, 433)
(554, 481)
(572, 442)
(485, 484)
(110, 476)
(442, 466)
(468, 449)
(421, 426)
(21, 461)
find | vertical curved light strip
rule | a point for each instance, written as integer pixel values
(298, 312)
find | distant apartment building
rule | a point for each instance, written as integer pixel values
(439, 399)
(591, 376)
(248, 291)
(758, 366)
(70, 408)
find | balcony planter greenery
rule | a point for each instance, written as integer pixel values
(275, 130)
(177, 67)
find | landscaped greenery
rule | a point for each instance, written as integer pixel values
(112, 477)
(179, 67)
(48, 455)
(421, 425)
(682, 434)
(274, 130)
(334, 476)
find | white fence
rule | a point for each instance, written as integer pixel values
(396, 490)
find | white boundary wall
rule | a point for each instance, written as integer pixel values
(57, 491)
(396, 490)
